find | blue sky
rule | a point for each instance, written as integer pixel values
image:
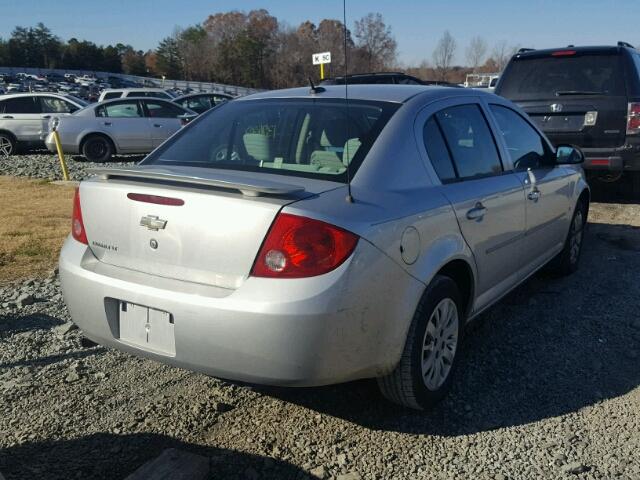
(417, 25)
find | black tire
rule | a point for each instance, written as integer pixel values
(8, 144)
(567, 261)
(406, 385)
(97, 148)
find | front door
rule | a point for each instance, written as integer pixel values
(163, 119)
(547, 192)
(125, 122)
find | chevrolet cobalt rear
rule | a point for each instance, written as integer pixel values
(296, 238)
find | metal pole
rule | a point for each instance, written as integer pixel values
(322, 71)
(63, 163)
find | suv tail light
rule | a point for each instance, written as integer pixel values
(77, 225)
(633, 119)
(297, 247)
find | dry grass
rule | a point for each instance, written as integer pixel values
(35, 218)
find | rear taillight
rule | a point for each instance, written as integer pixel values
(633, 119)
(77, 225)
(298, 247)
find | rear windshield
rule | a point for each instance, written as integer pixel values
(533, 78)
(316, 138)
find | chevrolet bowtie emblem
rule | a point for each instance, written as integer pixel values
(152, 222)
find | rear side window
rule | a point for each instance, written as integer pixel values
(120, 110)
(20, 105)
(525, 145)
(438, 151)
(470, 141)
(549, 77)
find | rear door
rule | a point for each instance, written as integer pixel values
(163, 119)
(547, 189)
(488, 200)
(575, 97)
(126, 124)
(23, 117)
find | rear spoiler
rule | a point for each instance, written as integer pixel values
(249, 187)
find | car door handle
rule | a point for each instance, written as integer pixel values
(477, 212)
(157, 125)
(534, 194)
(108, 124)
(46, 116)
(7, 116)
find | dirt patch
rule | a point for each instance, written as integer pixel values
(34, 220)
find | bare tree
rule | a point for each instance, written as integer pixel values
(502, 53)
(374, 39)
(443, 54)
(476, 51)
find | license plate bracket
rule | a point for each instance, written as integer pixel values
(146, 328)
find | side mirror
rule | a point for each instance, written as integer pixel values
(569, 155)
(186, 118)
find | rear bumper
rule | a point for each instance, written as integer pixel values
(350, 323)
(626, 157)
(51, 145)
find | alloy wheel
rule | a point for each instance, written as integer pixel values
(440, 344)
(6, 147)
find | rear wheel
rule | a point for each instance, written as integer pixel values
(423, 375)
(7, 145)
(566, 262)
(97, 148)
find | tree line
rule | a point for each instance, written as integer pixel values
(252, 49)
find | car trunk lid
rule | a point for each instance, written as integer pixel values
(193, 224)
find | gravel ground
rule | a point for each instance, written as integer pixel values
(549, 388)
(42, 164)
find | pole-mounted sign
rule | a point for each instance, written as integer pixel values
(321, 59)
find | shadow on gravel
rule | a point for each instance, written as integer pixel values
(551, 347)
(110, 456)
(13, 324)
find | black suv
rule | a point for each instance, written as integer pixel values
(396, 78)
(585, 96)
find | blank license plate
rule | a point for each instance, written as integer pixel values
(147, 328)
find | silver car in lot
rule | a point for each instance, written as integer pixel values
(131, 125)
(24, 117)
(296, 238)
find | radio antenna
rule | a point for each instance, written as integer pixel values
(349, 198)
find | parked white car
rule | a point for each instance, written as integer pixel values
(24, 117)
(131, 125)
(113, 93)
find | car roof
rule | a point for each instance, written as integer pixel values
(597, 49)
(146, 89)
(378, 92)
(33, 94)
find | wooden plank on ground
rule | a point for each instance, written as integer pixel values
(173, 464)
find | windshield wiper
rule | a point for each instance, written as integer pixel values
(562, 93)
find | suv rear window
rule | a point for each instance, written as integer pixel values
(529, 78)
(299, 137)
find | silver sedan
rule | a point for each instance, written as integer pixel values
(297, 238)
(131, 125)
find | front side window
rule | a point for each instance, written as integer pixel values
(197, 104)
(315, 138)
(120, 110)
(525, 145)
(20, 105)
(470, 141)
(163, 110)
(56, 105)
